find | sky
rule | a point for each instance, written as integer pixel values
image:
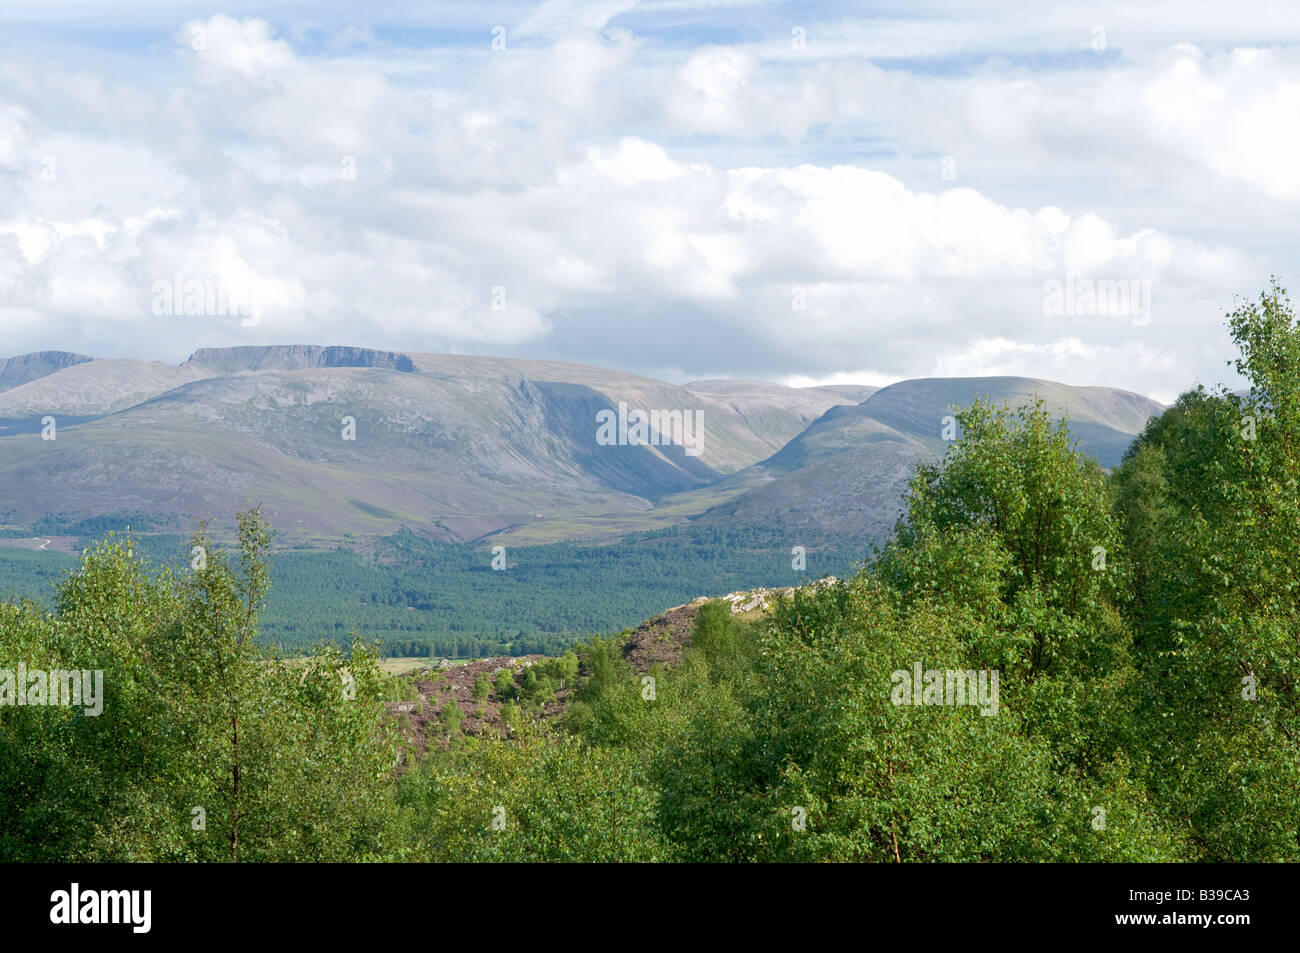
(796, 192)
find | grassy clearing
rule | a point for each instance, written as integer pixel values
(403, 666)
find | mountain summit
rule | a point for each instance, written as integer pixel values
(340, 440)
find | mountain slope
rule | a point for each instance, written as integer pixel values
(847, 472)
(458, 446)
(342, 440)
(94, 388)
(774, 411)
(15, 371)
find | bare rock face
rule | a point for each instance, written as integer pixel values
(760, 600)
(16, 371)
(296, 358)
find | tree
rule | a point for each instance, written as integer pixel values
(539, 797)
(208, 747)
(452, 717)
(504, 687)
(1014, 529)
(1211, 489)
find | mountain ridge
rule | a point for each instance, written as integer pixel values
(466, 447)
(848, 470)
(24, 368)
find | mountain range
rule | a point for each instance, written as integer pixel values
(474, 448)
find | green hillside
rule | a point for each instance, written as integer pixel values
(423, 597)
(1047, 663)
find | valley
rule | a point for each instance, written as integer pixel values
(340, 443)
(390, 478)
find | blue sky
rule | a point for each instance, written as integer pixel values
(793, 192)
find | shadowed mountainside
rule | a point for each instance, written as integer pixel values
(458, 446)
(15, 371)
(847, 472)
(467, 447)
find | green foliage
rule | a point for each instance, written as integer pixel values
(504, 687)
(552, 797)
(728, 648)
(452, 717)
(542, 680)
(1013, 505)
(207, 748)
(1125, 647)
(1209, 499)
(421, 598)
(603, 660)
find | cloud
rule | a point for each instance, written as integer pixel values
(244, 47)
(610, 189)
(554, 18)
(1071, 360)
(863, 378)
(632, 162)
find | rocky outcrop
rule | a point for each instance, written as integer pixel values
(297, 357)
(15, 371)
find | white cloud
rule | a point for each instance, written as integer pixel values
(557, 17)
(840, 378)
(377, 195)
(634, 161)
(246, 47)
(1071, 361)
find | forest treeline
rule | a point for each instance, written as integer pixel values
(420, 597)
(1143, 625)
